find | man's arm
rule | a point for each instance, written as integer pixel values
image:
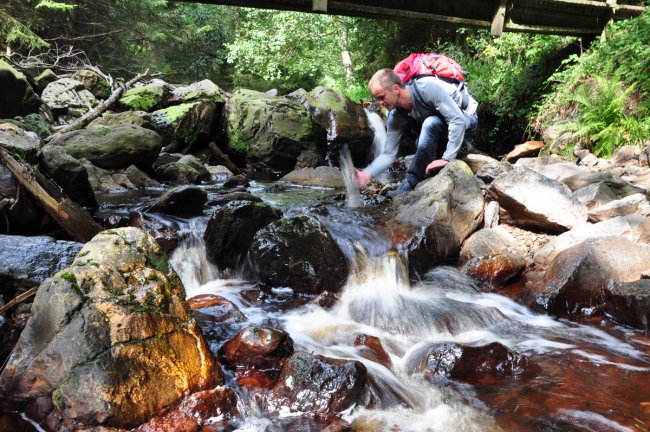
(395, 125)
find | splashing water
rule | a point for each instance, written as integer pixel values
(189, 258)
(352, 195)
(379, 140)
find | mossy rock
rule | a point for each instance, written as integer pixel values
(17, 97)
(186, 123)
(142, 98)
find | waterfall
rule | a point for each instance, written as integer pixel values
(189, 258)
(376, 123)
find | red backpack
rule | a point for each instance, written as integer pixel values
(421, 64)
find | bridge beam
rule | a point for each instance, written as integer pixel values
(499, 20)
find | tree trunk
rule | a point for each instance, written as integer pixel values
(72, 218)
(345, 55)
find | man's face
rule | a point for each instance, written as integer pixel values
(387, 97)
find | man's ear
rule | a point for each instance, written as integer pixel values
(395, 89)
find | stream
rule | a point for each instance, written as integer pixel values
(591, 375)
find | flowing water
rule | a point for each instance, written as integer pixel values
(592, 376)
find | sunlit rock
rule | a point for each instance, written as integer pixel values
(138, 118)
(631, 204)
(322, 176)
(594, 195)
(93, 82)
(298, 252)
(629, 303)
(445, 210)
(68, 96)
(217, 308)
(469, 363)
(26, 145)
(204, 89)
(577, 278)
(317, 385)
(271, 131)
(113, 147)
(146, 97)
(231, 229)
(183, 127)
(206, 410)
(529, 199)
(111, 340)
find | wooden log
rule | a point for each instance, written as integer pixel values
(19, 299)
(71, 217)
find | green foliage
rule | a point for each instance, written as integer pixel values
(55, 5)
(606, 90)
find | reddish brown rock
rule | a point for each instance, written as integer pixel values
(370, 347)
(218, 308)
(317, 385)
(470, 363)
(257, 347)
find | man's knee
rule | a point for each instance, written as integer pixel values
(433, 124)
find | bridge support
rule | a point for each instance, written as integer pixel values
(319, 5)
(499, 20)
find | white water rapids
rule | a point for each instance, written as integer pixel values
(445, 306)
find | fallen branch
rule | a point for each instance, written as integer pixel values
(72, 218)
(19, 299)
(83, 121)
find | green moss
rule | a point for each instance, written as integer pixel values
(57, 396)
(141, 99)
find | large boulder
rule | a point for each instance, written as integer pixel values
(529, 199)
(138, 118)
(93, 82)
(113, 147)
(17, 97)
(184, 126)
(444, 211)
(629, 303)
(577, 278)
(300, 253)
(111, 340)
(272, 131)
(322, 176)
(68, 96)
(231, 229)
(69, 174)
(182, 201)
(344, 120)
(206, 90)
(146, 97)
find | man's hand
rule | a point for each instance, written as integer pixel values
(363, 177)
(435, 166)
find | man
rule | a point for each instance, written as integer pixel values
(439, 106)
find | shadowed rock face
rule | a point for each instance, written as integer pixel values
(300, 253)
(111, 340)
(629, 303)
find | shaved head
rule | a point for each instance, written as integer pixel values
(386, 78)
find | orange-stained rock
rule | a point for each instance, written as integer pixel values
(371, 348)
(258, 347)
(527, 149)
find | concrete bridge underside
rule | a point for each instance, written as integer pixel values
(561, 17)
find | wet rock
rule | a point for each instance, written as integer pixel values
(492, 255)
(257, 347)
(317, 385)
(218, 172)
(102, 180)
(184, 126)
(231, 229)
(14, 422)
(322, 176)
(236, 180)
(181, 200)
(17, 97)
(24, 145)
(631, 204)
(197, 411)
(168, 238)
(300, 253)
(113, 147)
(326, 299)
(469, 363)
(68, 96)
(28, 261)
(578, 276)
(629, 303)
(445, 209)
(234, 196)
(553, 208)
(217, 308)
(124, 339)
(176, 172)
(370, 347)
(633, 227)
(288, 129)
(11, 326)
(69, 174)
